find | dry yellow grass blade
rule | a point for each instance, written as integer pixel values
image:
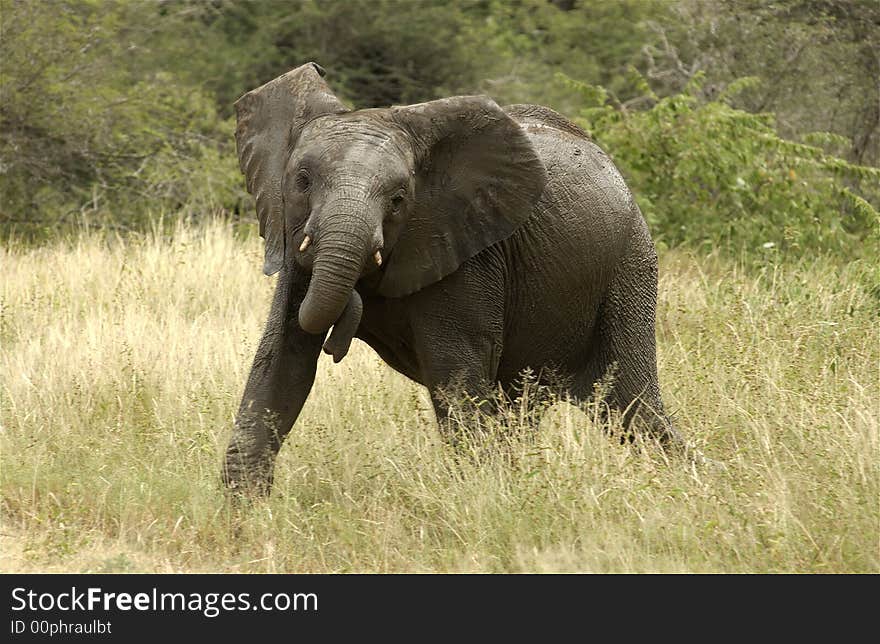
(121, 365)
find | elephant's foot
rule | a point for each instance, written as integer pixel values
(247, 482)
(248, 472)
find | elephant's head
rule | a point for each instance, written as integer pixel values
(409, 192)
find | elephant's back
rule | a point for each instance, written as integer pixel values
(575, 164)
(541, 116)
(563, 259)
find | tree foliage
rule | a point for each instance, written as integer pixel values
(705, 172)
(819, 61)
(91, 127)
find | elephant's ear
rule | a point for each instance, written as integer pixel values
(477, 179)
(269, 121)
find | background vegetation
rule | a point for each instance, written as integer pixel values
(132, 300)
(121, 372)
(741, 123)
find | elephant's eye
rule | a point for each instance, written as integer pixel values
(303, 182)
(397, 201)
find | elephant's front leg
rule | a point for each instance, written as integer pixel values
(458, 340)
(462, 403)
(279, 383)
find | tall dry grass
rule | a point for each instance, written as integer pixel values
(122, 363)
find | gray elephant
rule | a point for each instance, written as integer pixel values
(464, 242)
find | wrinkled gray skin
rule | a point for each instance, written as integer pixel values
(508, 240)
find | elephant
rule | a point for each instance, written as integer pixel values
(464, 242)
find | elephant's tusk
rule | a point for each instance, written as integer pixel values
(378, 258)
(306, 241)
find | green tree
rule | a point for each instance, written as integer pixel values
(529, 42)
(707, 173)
(819, 62)
(90, 127)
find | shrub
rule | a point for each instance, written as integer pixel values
(708, 174)
(92, 129)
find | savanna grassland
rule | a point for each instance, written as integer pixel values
(122, 362)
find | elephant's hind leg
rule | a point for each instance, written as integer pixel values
(624, 347)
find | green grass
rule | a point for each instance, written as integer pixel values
(122, 363)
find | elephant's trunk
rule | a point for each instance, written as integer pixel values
(344, 328)
(339, 261)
